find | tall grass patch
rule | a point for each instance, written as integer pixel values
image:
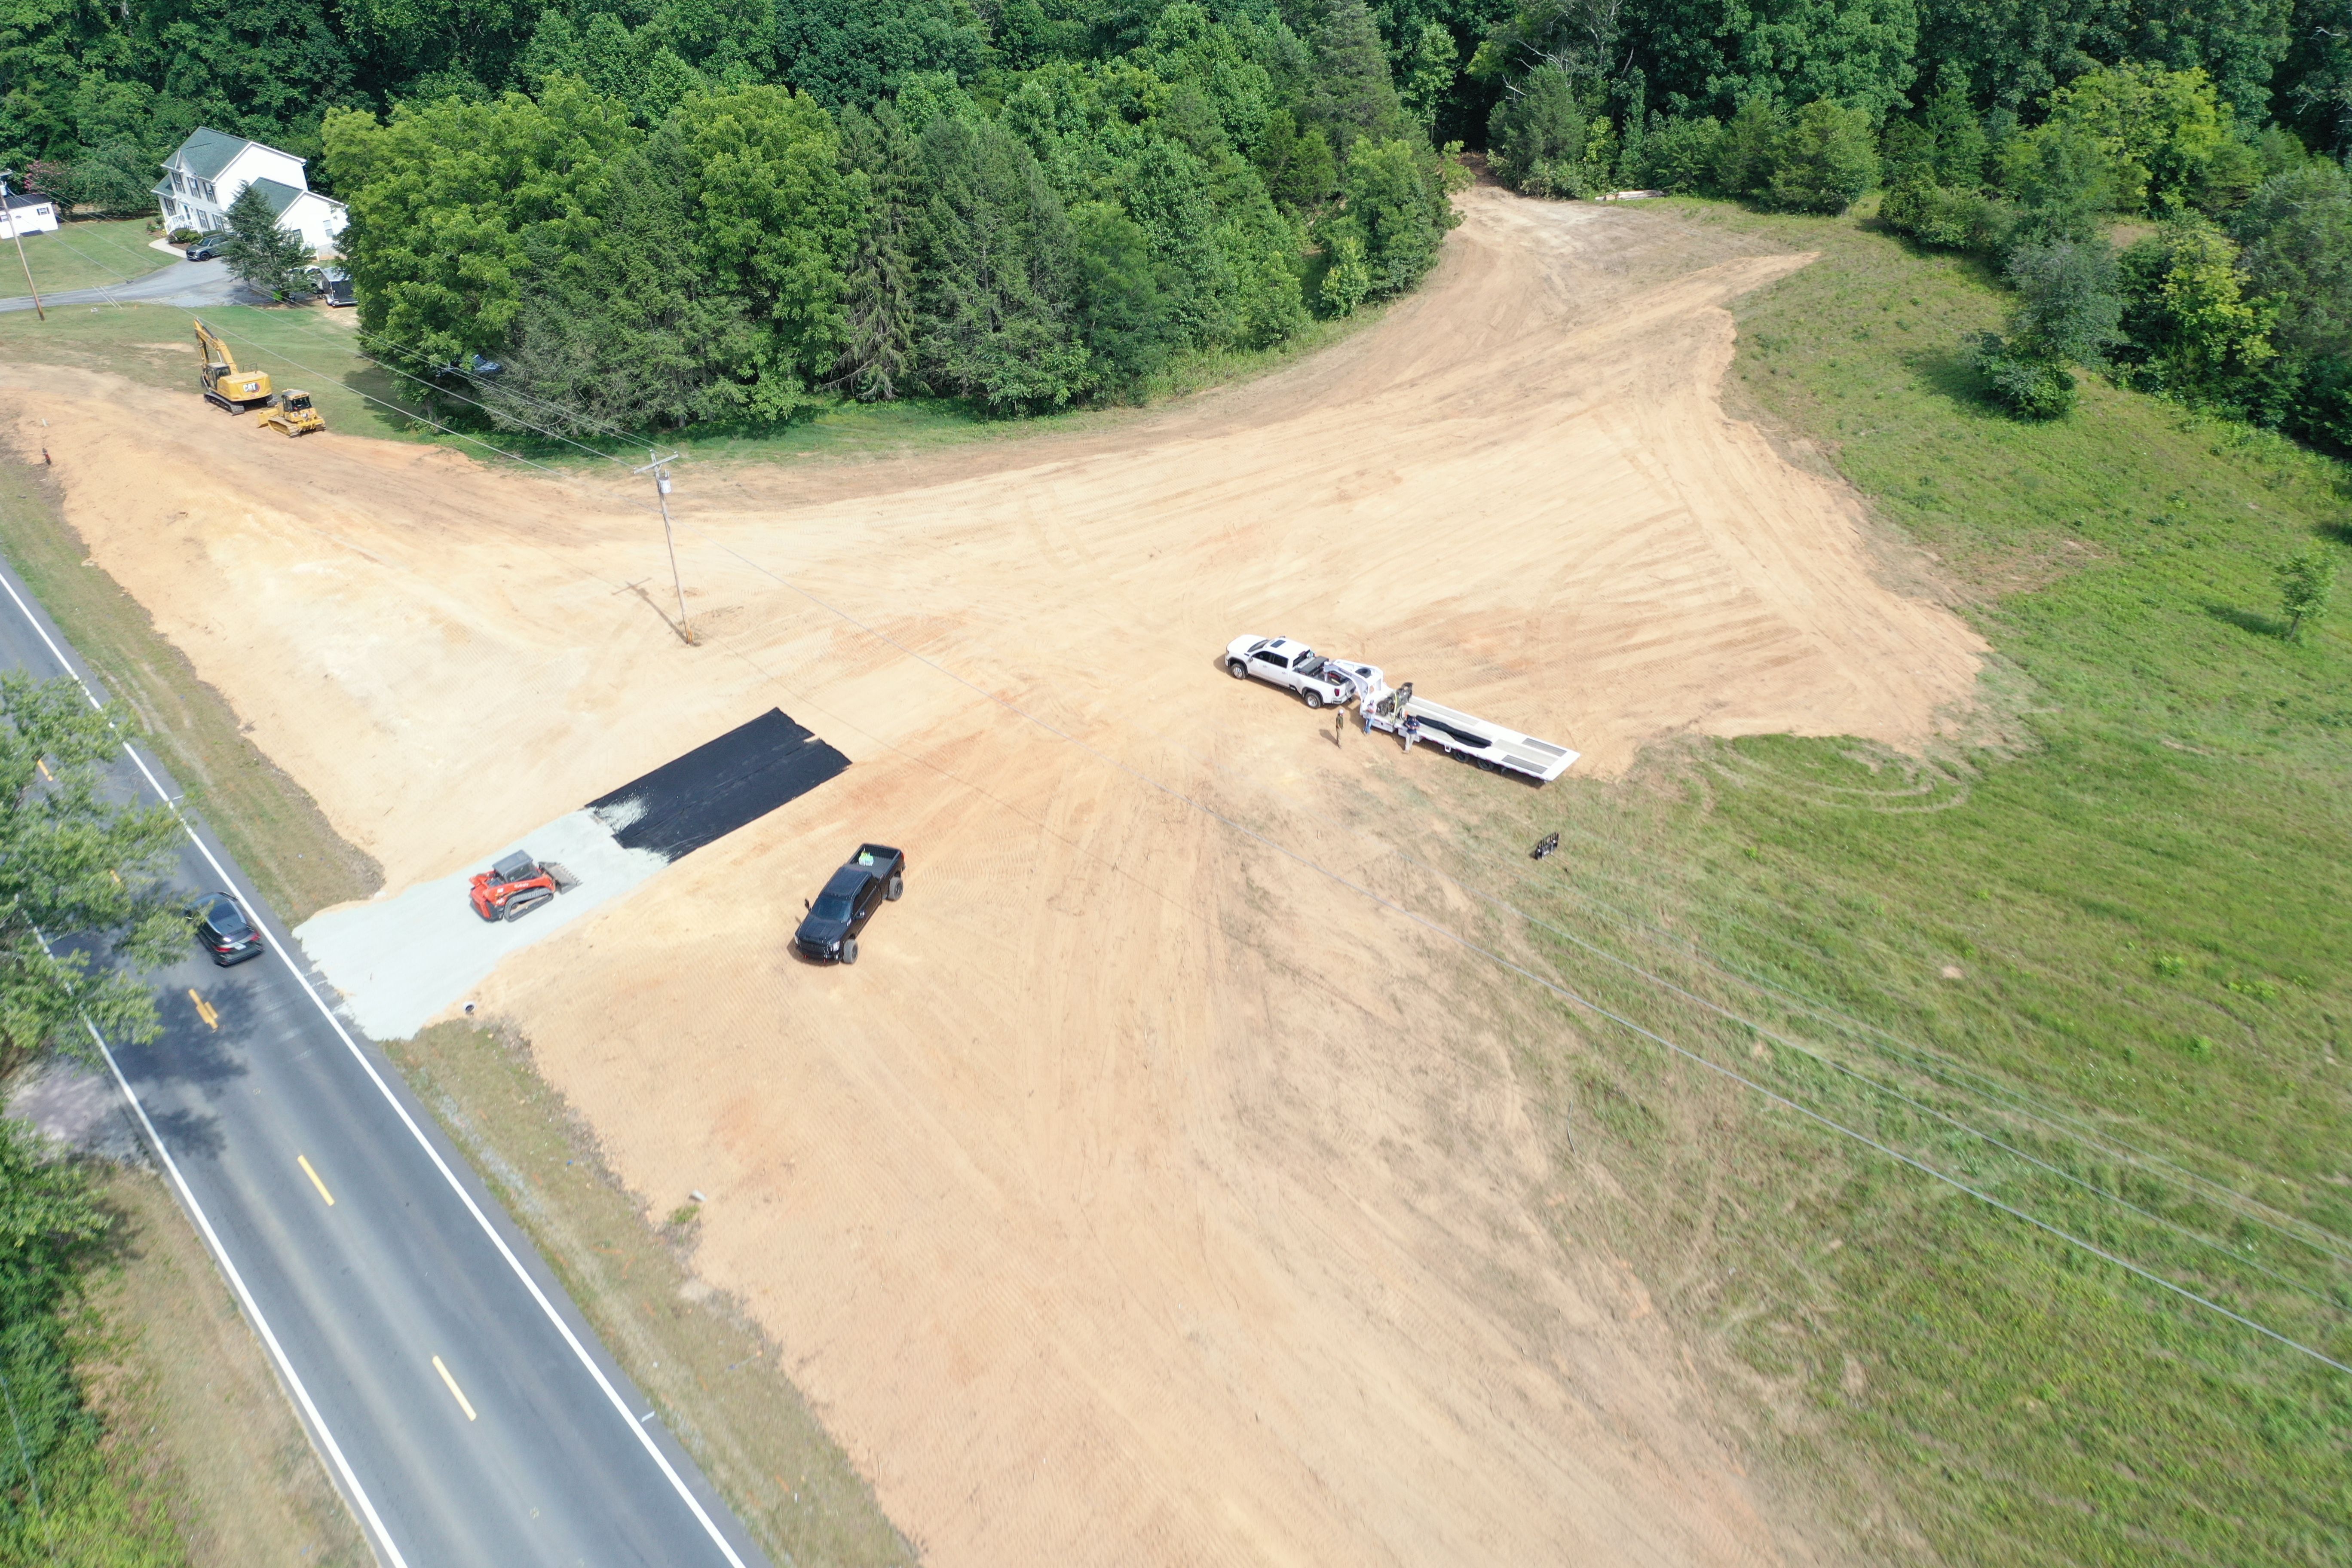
(2026, 1221)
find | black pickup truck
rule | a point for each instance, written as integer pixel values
(875, 875)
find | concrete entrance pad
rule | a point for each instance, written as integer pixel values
(401, 960)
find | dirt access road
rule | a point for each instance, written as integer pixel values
(1146, 1194)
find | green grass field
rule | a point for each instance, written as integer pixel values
(371, 388)
(2095, 961)
(82, 256)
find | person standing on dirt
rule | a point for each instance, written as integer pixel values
(1412, 732)
(1338, 724)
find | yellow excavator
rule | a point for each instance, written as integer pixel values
(225, 385)
(291, 414)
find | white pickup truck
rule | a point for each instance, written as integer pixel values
(1293, 666)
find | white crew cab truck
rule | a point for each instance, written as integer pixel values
(1293, 666)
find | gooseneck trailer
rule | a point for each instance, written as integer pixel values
(1323, 682)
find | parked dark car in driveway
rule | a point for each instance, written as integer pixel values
(333, 285)
(222, 927)
(873, 876)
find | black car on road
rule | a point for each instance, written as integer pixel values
(222, 927)
(875, 875)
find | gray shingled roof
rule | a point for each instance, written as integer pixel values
(206, 152)
(278, 194)
(18, 199)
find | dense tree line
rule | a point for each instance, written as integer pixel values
(664, 211)
(2236, 294)
(2022, 134)
(1025, 238)
(689, 209)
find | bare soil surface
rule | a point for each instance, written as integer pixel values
(1158, 1188)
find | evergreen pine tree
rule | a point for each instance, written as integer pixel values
(264, 256)
(1353, 95)
(1959, 138)
(881, 301)
(993, 243)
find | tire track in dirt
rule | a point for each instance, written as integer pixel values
(1141, 1196)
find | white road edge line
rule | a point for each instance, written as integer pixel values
(252, 1308)
(611, 1395)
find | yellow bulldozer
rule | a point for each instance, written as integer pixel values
(225, 385)
(291, 414)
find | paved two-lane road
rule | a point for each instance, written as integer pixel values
(467, 1410)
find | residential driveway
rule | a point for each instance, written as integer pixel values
(187, 283)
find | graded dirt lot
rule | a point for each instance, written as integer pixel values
(1150, 1192)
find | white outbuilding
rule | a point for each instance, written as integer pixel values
(23, 215)
(211, 170)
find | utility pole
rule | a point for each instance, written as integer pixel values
(659, 469)
(8, 213)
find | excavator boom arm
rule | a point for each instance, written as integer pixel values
(220, 380)
(215, 352)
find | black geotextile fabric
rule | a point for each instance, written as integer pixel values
(717, 788)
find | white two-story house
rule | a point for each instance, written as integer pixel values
(211, 170)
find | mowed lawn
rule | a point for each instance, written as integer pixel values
(2091, 959)
(82, 256)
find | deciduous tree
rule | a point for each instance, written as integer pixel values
(2307, 582)
(1824, 161)
(73, 863)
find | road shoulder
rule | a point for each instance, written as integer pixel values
(717, 1381)
(190, 1403)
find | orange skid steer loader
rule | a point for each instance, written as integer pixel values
(517, 885)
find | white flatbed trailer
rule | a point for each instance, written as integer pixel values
(1479, 741)
(1337, 681)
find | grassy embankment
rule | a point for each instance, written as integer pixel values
(374, 388)
(719, 1383)
(200, 1437)
(2108, 923)
(82, 256)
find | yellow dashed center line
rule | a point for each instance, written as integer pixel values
(304, 1160)
(205, 1010)
(456, 1393)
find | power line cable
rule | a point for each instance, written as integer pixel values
(1566, 993)
(1561, 991)
(2283, 1224)
(2185, 1232)
(2023, 1104)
